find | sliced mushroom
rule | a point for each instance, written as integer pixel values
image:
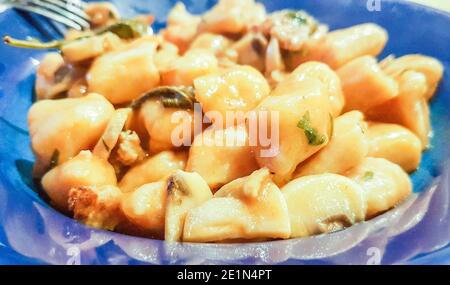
(185, 190)
(111, 135)
(273, 60)
(385, 184)
(251, 207)
(323, 203)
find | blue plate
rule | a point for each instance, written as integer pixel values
(417, 232)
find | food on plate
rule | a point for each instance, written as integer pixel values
(218, 163)
(185, 191)
(250, 207)
(85, 169)
(396, 144)
(323, 203)
(348, 147)
(235, 125)
(385, 184)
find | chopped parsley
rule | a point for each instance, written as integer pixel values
(368, 175)
(313, 136)
(297, 17)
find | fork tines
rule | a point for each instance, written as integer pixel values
(67, 12)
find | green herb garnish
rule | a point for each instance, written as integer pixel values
(368, 175)
(54, 159)
(170, 96)
(314, 138)
(125, 29)
(298, 17)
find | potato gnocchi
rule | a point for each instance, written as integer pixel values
(130, 129)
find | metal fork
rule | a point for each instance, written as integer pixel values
(67, 12)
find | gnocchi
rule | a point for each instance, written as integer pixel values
(236, 125)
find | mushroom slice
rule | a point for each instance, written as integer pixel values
(348, 147)
(385, 184)
(185, 190)
(273, 61)
(84, 169)
(111, 134)
(98, 207)
(251, 207)
(323, 203)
